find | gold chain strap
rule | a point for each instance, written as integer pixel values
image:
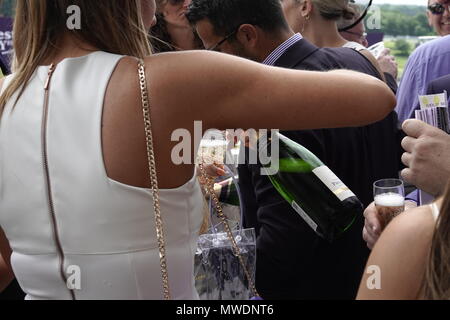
(209, 188)
(153, 179)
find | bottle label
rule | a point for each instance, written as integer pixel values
(305, 217)
(333, 183)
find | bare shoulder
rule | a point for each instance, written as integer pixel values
(411, 225)
(400, 255)
(411, 229)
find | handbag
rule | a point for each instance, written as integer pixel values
(225, 262)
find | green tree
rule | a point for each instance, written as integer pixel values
(403, 47)
(397, 20)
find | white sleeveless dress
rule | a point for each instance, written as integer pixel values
(100, 237)
(434, 210)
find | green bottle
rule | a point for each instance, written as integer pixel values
(313, 190)
(226, 191)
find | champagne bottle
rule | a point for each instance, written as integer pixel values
(313, 190)
(226, 191)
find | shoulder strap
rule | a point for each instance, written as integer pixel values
(153, 178)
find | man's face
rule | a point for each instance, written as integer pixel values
(210, 40)
(440, 22)
(356, 34)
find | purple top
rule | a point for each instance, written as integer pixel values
(427, 63)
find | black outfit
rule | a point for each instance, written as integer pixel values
(439, 85)
(4, 68)
(292, 261)
(391, 82)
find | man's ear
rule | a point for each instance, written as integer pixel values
(306, 8)
(247, 35)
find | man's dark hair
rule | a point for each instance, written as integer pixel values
(226, 15)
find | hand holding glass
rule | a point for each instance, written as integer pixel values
(389, 196)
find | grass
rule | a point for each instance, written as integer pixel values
(400, 58)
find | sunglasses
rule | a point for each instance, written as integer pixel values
(437, 8)
(228, 36)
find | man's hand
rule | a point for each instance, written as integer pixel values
(427, 157)
(387, 63)
(373, 225)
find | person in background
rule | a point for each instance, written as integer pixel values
(291, 258)
(427, 63)
(425, 73)
(426, 158)
(316, 20)
(427, 150)
(172, 31)
(412, 257)
(385, 60)
(438, 16)
(356, 34)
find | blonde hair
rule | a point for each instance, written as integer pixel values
(334, 9)
(111, 26)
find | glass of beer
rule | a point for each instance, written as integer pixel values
(389, 196)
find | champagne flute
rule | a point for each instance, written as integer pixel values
(389, 196)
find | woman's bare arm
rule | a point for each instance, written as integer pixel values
(6, 273)
(224, 92)
(242, 94)
(400, 257)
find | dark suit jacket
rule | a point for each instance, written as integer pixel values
(292, 261)
(439, 85)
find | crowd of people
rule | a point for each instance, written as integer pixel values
(77, 157)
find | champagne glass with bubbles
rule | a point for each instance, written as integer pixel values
(389, 196)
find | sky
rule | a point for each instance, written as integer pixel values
(410, 2)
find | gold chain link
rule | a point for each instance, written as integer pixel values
(209, 188)
(153, 179)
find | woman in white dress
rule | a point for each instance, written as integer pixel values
(76, 216)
